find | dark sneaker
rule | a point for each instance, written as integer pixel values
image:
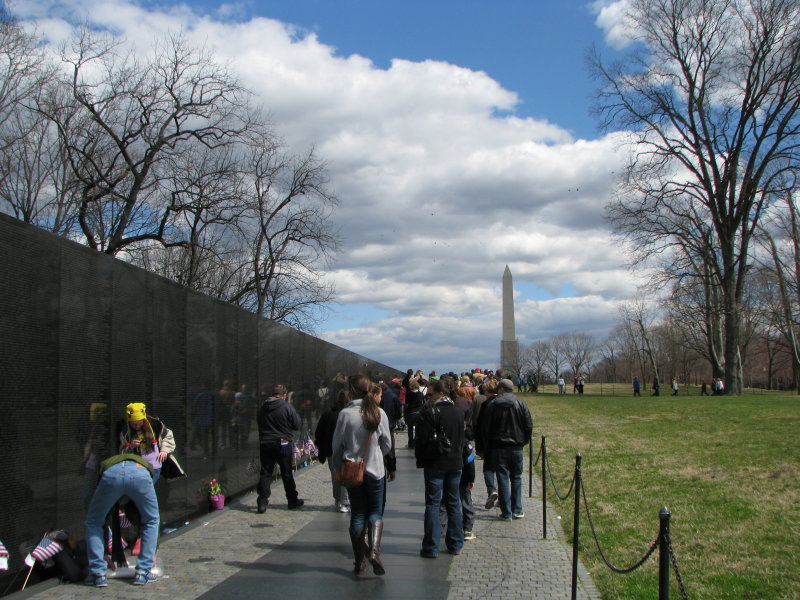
(97, 580)
(519, 516)
(296, 504)
(491, 501)
(424, 554)
(142, 578)
(262, 505)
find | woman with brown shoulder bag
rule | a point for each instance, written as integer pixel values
(362, 434)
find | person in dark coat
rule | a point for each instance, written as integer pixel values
(277, 420)
(415, 399)
(442, 471)
(323, 439)
(390, 403)
(504, 428)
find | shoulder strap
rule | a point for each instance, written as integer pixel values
(366, 446)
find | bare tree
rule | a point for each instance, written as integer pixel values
(124, 121)
(199, 237)
(23, 71)
(539, 353)
(711, 97)
(782, 240)
(160, 161)
(557, 356)
(640, 320)
(578, 348)
(612, 349)
(35, 184)
(288, 235)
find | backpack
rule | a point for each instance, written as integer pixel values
(438, 444)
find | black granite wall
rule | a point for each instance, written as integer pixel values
(82, 335)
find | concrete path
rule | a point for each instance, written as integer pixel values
(237, 554)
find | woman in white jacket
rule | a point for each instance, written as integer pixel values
(362, 430)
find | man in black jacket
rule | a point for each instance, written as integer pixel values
(504, 428)
(442, 466)
(277, 419)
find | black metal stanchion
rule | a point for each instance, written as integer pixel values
(530, 468)
(663, 554)
(576, 526)
(544, 490)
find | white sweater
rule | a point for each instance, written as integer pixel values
(350, 437)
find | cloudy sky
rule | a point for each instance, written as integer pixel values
(458, 139)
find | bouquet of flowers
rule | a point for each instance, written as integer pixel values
(211, 488)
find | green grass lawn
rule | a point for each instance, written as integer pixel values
(728, 469)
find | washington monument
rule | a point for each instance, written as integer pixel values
(508, 345)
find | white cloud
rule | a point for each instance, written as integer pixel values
(611, 18)
(441, 185)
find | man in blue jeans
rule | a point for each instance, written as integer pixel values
(442, 469)
(505, 426)
(123, 475)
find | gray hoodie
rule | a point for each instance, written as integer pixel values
(350, 437)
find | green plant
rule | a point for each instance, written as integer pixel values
(211, 488)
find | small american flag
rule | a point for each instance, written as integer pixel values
(123, 520)
(46, 549)
(310, 448)
(111, 539)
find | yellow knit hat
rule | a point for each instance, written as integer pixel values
(136, 411)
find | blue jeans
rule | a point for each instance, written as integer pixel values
(442, 484)
(130, 479)
(367, 502)
(508, 466)
(489, 477)
(340, 495)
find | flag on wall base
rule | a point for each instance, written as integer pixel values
(45, 550)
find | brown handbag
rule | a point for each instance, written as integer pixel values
(350, 473)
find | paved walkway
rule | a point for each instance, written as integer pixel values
(238, 554)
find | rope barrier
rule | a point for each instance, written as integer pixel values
(553, 483)
(674, 561)
(616, 569)
(663, 535)
(538, 456)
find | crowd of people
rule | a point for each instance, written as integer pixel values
(450, 419)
